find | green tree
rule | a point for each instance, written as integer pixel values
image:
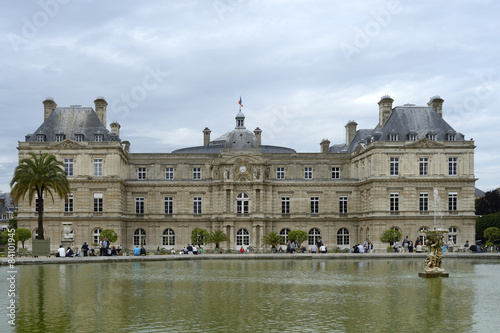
(23, 235)
(216, 237)
(492, 234)
(39, 176)
(272, 239)
(199, 236)
(298, 236)
(110, 234)
(489, 204)
(484, 222)
(390, 236)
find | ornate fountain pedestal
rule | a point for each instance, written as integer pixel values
(433, 263)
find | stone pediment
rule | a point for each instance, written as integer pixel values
(68, 144)
(425, 143)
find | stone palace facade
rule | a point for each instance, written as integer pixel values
(412, 171)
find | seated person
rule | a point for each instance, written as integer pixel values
(113, 251)
(77, 252)
(69, 252)
(142, 251)
(137, 250)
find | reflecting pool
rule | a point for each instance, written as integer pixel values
(380, 295)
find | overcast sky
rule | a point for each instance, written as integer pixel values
(303, 69)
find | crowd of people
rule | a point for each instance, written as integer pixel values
(104, 250)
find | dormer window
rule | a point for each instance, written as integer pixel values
(60, 137)
(393, 137)
(451, 137)
(78, 137)
(98, 137)
(431, 136)
(40, 138)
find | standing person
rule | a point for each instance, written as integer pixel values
(396, 247)
(85, 249)
(189, 249)
(410, 247)
(405, 244)
(101, 248)
(365, 246)
(319, 243)
(370, 246)
(450, 245)
(105, 244)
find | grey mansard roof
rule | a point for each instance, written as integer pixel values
(406, 120)
(72, 121)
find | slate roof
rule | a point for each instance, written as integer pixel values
(239, 138)
(71, 121)
(403, 121)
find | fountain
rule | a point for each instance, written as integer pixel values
(434, 239)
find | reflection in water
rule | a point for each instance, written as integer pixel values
(255, 296)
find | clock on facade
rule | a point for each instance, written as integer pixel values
(243, 168)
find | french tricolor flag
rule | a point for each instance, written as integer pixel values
(240, 102)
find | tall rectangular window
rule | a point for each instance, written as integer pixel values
(197, 205)
(97, 202)
(314, 205)
(343, 205)
(424, 202)
(335, 172)
(141, 173)
(452, 166)
(98, 137)
(280, 173)
(394, 166)
(394, 202)
(196, 173)
(169, 173)
(169, 205)
(68, 167)
(285, 205)
(68, 205)
(452, 201)
(308, 173)
(97, 167)
(139, 205)
(424, 166)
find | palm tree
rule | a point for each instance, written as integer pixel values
(39, 175)
(272, 239)
(216, 237)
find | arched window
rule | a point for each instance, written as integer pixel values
(421, 234)
(242, 237)
(168, 237)
(284, 234)
(343, 237)
(139, 237)
(453, 234)
(242, 203)
(95, 235)
(314, 234)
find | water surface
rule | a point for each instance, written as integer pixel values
(255, 296)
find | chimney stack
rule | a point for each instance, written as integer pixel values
(350, 131)
(325, 146)
(258, 136)
(115, 128)
(436, 103)
(385, 109)
(100, 109)
(48, 107)
(206, 136)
